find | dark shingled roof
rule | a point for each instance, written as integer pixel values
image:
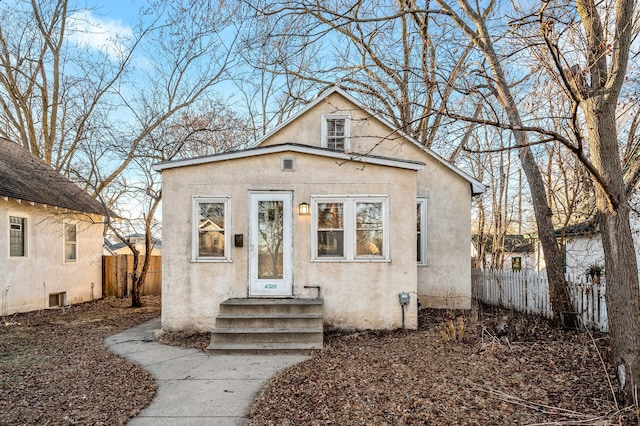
(23, 176)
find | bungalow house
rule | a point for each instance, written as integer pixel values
(514, 252)
(50, 236)
(581, 248)
(335, 208)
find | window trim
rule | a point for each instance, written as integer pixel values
(64, 242)
(422, 202)
(350, 233)
(195, 236)
(347, 130)
(26, 234)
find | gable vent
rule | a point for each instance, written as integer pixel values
(287, 164)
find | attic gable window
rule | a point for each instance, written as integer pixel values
(335, 132)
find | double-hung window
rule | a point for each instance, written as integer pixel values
(211, 237)
(17, 236)
(350, 228)
(335, 132)
(330, 229)
(421, 226)
(70, 242)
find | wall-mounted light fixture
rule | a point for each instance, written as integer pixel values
(303, 209)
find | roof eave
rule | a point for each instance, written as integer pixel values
(274, 149)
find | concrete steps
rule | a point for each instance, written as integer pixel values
(268, 326)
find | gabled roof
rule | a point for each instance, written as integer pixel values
(112, 246)
(513, 243)
(587, 227)
(292, 147)
(477, 187)
(25, 177)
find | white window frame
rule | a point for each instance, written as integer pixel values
(195, 235)
(422, 204)
(26, 232)
(65, 242)
(347, 129)
(350, 235)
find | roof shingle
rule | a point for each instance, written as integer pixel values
(23, 176)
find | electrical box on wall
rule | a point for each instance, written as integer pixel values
(404, 298)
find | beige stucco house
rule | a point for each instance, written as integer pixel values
(50, 236)
(333, 205)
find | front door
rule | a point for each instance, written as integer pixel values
(271, 244)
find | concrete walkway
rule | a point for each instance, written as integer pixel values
(194, 387)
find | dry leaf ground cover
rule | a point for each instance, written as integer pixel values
(540, 375)
(55, 368)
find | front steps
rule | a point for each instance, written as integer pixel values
(268, 326)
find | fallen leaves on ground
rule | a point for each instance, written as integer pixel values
(55, 368)
(537, 375)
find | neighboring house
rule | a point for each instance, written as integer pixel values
(336, 203)
(518, 253)
(114, 247)
(582, 247)
(50, 236)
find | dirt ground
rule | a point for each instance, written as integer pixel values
(55, 368)
(503, 369)
(530, 374)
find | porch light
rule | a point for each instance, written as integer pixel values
(303, 209)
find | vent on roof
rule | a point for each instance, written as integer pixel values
(287, 164)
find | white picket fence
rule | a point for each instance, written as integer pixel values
(529, 292)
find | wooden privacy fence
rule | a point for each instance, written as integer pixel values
(116, 275)
(529, 292)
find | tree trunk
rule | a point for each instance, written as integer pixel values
(558, 293)
(137, 281)
(482, 38)
(621, 271)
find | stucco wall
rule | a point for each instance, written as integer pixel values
(356, 294)
(26, 282)
(445, 282)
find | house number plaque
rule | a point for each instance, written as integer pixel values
(271, 286)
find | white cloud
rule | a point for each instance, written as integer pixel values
(105, 35)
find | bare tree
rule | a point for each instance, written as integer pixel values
(90, 111)
(384, 51)
(589, 44)
(473, 24)
(212, 130)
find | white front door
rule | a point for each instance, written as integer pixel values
(270, 244)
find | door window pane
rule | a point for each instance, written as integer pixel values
(270, 239)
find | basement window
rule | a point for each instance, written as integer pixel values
(57, 300)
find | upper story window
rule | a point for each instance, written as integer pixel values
(70, 242)
(17, 236)
(335, 132)
(211, 237)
